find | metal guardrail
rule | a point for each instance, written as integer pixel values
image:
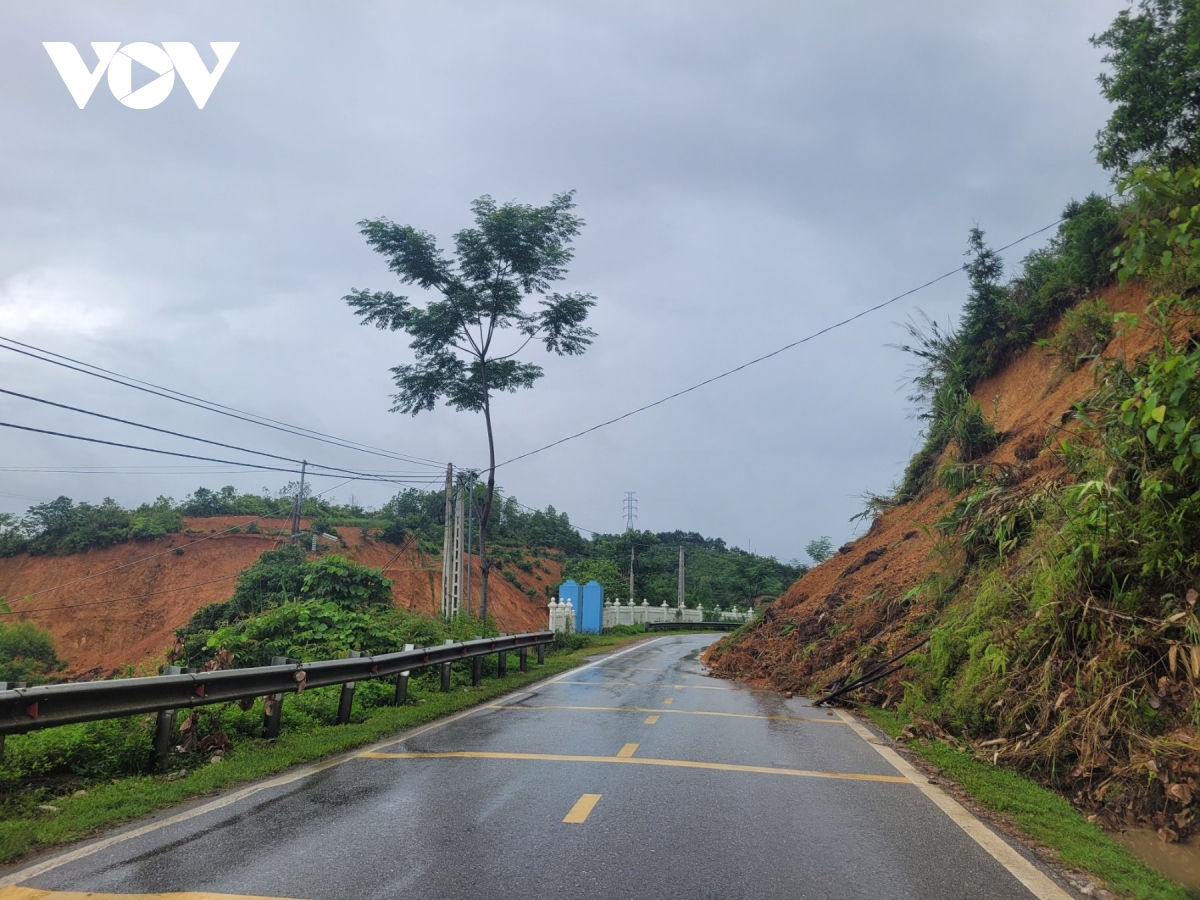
(674, 626)
(46, 706)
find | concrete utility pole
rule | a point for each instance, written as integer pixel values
(631, 570)
(448, 542)
(681, 576)
(470, 530)
(299, 503)
(456, 587)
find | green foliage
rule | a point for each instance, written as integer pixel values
(973, 435)
(999, 320)
(819, 549)
(323, 599)
(718, 575)
(61, 526)
(1155, 56)
(27, 654)
(320, 629)
(1082, 335)
(603, 571)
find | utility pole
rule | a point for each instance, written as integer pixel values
(630, 509)
(470, 528)
(631, 546)
(299, 503)
(448, 542)
(681, 579)
(456, 587)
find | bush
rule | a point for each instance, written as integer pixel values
(973, 434)
(27, 654)
(1083, 334)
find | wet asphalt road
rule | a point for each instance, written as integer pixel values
(787, 801)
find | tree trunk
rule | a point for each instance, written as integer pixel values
(485, 564)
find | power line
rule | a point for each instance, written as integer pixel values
(190, 437)
(766, 356)
(209, 405)
(333, 473)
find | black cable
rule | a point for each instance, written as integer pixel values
(209, 405)
(190, 437)
(766, 356)
(259, 466)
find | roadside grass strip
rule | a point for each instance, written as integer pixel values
(24, 829)
(1045, 816)
(638, 761)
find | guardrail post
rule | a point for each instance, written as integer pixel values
(477, 666)
(446, 670)
(502, 664)
(347, 699)
(164, 728)
(541, 654)
(402, 683)
(273, 706)
(523, 656)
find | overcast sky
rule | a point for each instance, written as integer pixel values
(749, 173)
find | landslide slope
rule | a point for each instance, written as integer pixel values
(119, 606)
(1098, 712)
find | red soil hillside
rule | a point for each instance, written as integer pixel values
(861, 590)
(118, 606)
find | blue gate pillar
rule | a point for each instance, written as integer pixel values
(591, 613)
(569, 590)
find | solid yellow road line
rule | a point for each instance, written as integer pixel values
(678, 712)
(651, 720)
(669, 700)
(24, 893)
(627, 751)
(638, 761)
(582, 809)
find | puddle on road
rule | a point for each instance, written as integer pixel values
(1179, 862)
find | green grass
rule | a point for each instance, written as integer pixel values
(26, 829)
(1044, 815)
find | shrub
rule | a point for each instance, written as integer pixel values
(27, 653)
(973, 434)
(1083, 334)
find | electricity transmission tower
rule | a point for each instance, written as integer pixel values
(630, 509)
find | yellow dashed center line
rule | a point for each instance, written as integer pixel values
(582, 809)
(678, 712)
(638, 761)
(627, 751)
(669, 700)
(651, 720)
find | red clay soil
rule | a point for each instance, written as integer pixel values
(117, 607)
(817, 630)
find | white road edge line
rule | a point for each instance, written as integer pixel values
(1036, 881)
(24, 874)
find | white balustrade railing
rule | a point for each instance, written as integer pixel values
(562, 614)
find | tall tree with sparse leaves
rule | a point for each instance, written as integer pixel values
(465, 342)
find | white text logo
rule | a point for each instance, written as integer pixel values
(118, 60)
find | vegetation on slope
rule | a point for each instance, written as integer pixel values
(1060, 599)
